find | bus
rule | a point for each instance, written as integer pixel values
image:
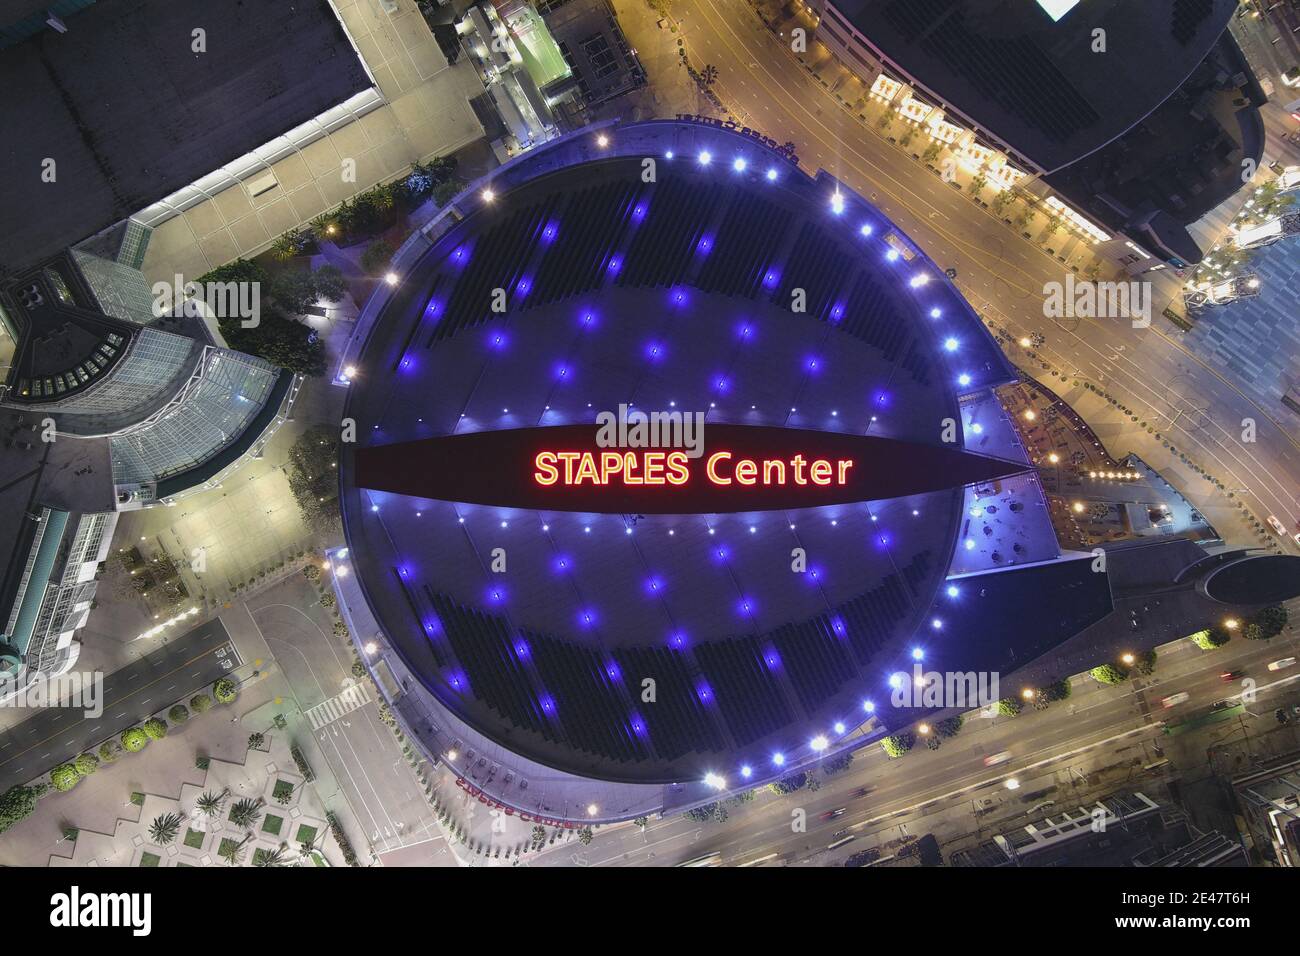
(709, 859)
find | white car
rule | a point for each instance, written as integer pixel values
(1276, 525)
(992, 760)
(1175, 699)
(1279, 665)
(1296, 537)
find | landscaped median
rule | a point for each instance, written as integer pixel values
(18, 802)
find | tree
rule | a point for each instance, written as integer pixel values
(1109, 674)
(276, 857)
(155, 728)
(109, 751)
(277, 339)
(256, 741)
(932, 151)
(294, 291)
(225, 691)
(178, 714)
(1145, 663)
(1008, 707)
(241, 270)
(1211, 638)
(1265, 624)
(209, 804)
(200, 703)
(329, 283)
(709, 75)
(232, 851)
(314, 479)
(86, 764)
(64, 777)
(377, 256)
(538, 836)
(444, 193)
(134, 740)
(17, 804)
(1054, 690)
(949, 726)
(833, 765)
(585, 835)
(895, 745)
(245, 813)
(164, 828)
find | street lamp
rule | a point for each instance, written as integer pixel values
(1027, 693)
(1230, 623)
(371, 647)
(1128, 659)
(923, 729)
(592, 809)
(1013, 783)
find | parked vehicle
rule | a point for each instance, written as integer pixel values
(1276, 525)
(1175, 699)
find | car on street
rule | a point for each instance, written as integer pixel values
(1222, 704)
(1283, 663)
(1229, 676)
(992, 760)
(832, 814)
(1175, 699)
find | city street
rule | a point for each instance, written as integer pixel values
(1095, 727)
(176, 671)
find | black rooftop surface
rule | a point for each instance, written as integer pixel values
(130, 114)
(1036, 83)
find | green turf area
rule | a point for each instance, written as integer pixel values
(194, 838)
(283, 788)
(272, 824)
(306, 833)
(150, 859)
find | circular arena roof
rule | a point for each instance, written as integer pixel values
(659, 643)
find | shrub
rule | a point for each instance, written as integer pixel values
(155, 728)
(329, 283)
(178, 714)
(833, 765)
(1265, 624)
(200, 703)
(349, 857)
(17, 804)
(1109, 674)
(64, 777)
(109, 751)
(377, 256)
(225, 691)
(789, 784)
(896, 745)
(86, 764)
(1008, 707)
(1145, 663)
(949, 726)
(358, 669)
(1210, 638)
(134, 740)
(301, 762)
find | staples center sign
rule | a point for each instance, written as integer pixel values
(743, 468)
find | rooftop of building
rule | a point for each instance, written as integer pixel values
(129, 110)
(1034, 81)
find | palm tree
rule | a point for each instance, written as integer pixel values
(246, 812)
(710, 74)
(209, 804)
(276, 857)
(164, 828)
(233, 851)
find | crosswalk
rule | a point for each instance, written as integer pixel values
(326, 712)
